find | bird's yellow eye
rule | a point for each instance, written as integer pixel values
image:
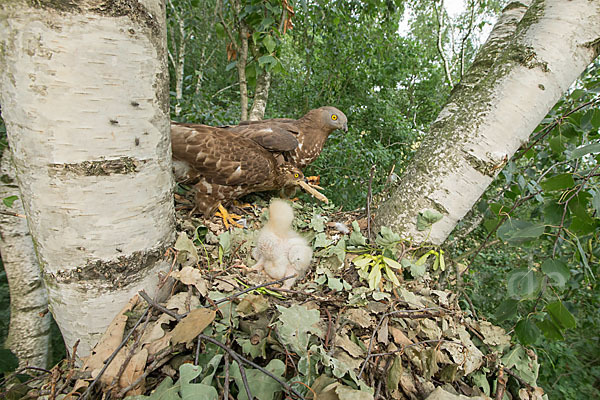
(334, 117)
(296, 175)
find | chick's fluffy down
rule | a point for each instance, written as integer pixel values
(280, 251)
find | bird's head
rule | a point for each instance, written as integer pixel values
(333, 118)
(292, 175)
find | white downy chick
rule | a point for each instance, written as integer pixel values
(280, 251)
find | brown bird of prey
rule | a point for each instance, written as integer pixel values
(223, 166)
(310, 133)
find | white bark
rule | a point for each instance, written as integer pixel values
(515, 80)
(261, 95)
(84, 93)
(29, 329)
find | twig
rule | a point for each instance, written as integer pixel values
(518, 378)
(406, 314)
(70, 365)
(160, 359)
(117, 377)
(233, 355)
(404, 347)
(88, 391)
(224, 299)
(562, 220)
(471, 306)
(154, 304)
(501, 383)
(549, 128)
(369, 200)
(12, 214)
(239, 358)
(327, 335)
(226, 381)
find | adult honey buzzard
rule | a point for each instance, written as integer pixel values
(304, 138)
(224, 166)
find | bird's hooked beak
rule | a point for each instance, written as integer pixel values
(345, 127)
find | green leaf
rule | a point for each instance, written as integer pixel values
(394, 374)
(363, 261)
(270, 60)
(560, 315)
(165, 391)
(356, 238)
(8, 201)
(558, 182)
(582, 151)
(392, 263)
(317, 223)
(391, 276)
(557, 271)
(269, 43)
(295, 324)
(225, 242)
(596, 202)
(194, 391)
(523, 283)
(8, 361)
(515, 231)
(262, 386)
(553, 212)
(184, 243)
(526, 331)
(506, 310)
(427, 218)
(231, 66)
(374, 276)
(321, 241)
(387, 237)
(549, 329)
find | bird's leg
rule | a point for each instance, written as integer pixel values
(228, 219)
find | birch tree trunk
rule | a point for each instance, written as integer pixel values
(530, 59)
(84, 93)
(29, 329)
(261, 95)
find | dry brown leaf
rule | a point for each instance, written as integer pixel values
(382, 333)
(111, 339)
(399, 337)
(252, 304)
(192, 325)
(344, 342)
(159, 344)
(156, 331)
(182, 302)
(134, 369)
(360, 317)
(192, 276)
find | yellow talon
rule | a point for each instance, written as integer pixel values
(228, 219)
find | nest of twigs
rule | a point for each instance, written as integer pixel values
(214, 330)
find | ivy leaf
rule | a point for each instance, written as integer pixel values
(8, 201)
(356, 238)
(184, 243)
(321, 241)
(557, 271)
(560, 315)
(295, 324)
(527, 332)
(194, 391)
(517, 232)
(317, 223)
(387, 237)
(427, 218)
(262, 386)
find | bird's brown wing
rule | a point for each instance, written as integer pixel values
(220, 156)
(273, 135)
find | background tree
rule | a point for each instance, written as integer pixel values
(86, 111)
